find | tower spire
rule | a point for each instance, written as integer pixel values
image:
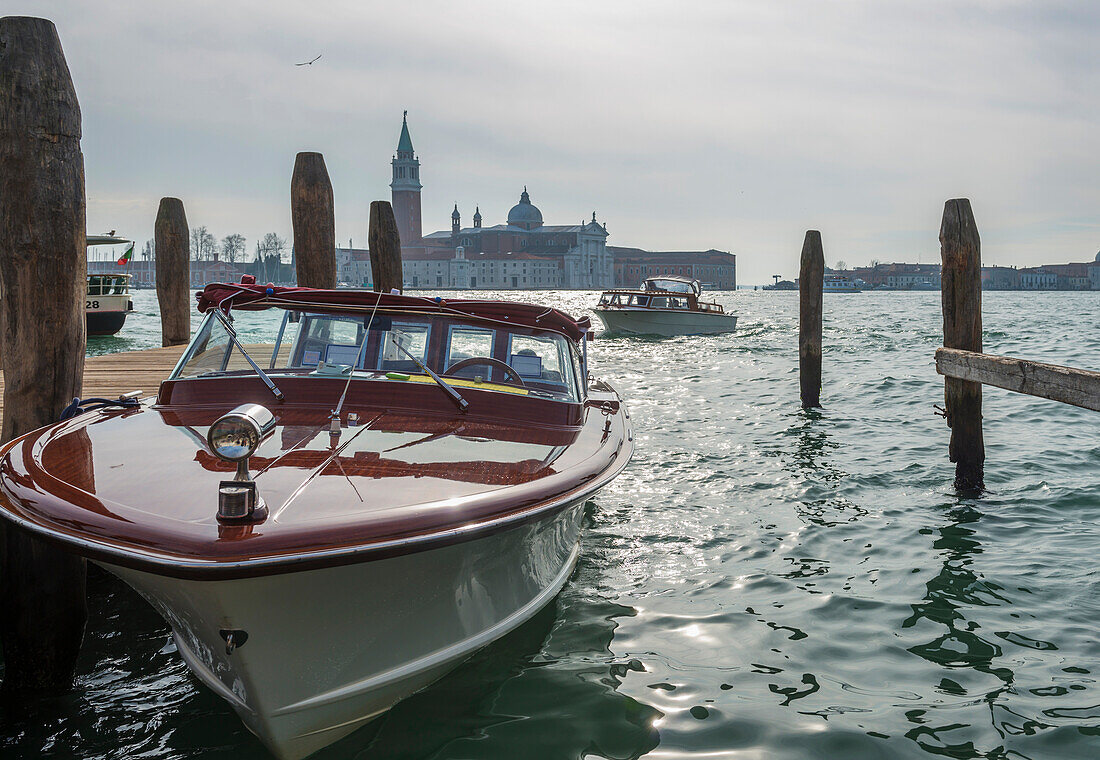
(405, 187)
(405, 143)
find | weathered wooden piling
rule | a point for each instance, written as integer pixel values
(811, 282)
(43, 266)
(385, 248)
(173, 272)
(311, 211)
(960, 251)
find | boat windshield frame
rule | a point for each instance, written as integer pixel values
(679, 285)
(326, 344)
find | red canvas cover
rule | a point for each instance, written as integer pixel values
(256, 297)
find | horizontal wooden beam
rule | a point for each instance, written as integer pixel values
(1079, 387)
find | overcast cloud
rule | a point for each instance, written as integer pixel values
(684, 125)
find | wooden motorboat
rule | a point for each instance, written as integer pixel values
(663, 306)
(336, 524)
(107, 300)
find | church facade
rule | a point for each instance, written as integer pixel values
(522, 252)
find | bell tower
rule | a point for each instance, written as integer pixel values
(405, 188)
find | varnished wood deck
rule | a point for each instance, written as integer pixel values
(111, 374)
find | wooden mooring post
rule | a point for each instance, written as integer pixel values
(965, 368)
(811, 283)
(173, 261)
(43, 265)
(385, 248)
(961, 294)
(311, 211)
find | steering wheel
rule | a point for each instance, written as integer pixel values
(473, 360)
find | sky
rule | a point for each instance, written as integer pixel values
(684, 125)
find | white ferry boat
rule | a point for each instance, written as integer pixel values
(107, 299)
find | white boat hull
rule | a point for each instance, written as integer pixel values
(665, 322)
(329, 649)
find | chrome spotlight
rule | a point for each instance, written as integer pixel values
(235, 437)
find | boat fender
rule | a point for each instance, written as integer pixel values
(79, 406)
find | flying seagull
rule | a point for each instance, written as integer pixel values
(307, 63)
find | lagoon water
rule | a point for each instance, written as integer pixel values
(761, 582)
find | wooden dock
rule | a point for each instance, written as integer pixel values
(109, 375)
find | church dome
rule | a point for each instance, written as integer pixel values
(1098, 257)
(525, 214)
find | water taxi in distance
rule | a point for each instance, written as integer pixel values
(663, 306)
(333, 525)
(107, 300)
(838, 283)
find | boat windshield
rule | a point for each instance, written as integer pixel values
(315, 344)
(671, 285)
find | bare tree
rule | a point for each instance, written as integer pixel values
(874, 263)
(148, 253)
(269, 254)
(203, 245)
(233, 248)
(841, 265)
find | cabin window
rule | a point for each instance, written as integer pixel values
(467, 343)
(326, 338)
(542, 362)
(658, 302)
(411, 336)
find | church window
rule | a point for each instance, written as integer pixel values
(401, 171)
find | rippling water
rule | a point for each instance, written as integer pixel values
(761, 582)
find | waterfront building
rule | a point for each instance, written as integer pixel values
(1000, 278)
(353, 266)
(1037, 278)
(1069, 276)
(717, 269)
(522, 252)
(895, 276)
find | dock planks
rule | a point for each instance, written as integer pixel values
(111, 374)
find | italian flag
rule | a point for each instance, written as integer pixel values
(128, 254)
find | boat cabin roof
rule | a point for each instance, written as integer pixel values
(105, 240)
(255, 297)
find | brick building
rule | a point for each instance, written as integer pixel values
(717, 269)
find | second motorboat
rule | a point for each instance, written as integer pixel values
(664, 306)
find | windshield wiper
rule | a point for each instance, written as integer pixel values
(462, 403)
(233, 339)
